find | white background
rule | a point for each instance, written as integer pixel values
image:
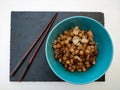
(111, 10)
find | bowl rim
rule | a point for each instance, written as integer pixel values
(47, 50)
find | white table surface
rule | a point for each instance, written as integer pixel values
(111, 10)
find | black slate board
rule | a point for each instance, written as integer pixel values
(25, 27)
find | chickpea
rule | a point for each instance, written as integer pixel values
(73, 53)
(80, 34)
(71, 33)
(58, 46)
(71, 61)
(77, 67)
(72, 70)
(58, 38)
(73, 67)
(93, 62)
(69, 38)
(79, 70)
(87, 57)
(93, 58)
(88, 47)
(76, 27)
(88, 65)
(92, 47)
(68, 45)
(64, 37)
(60, 60)
(90, 39)
(87, 51)
(65, 32)
(54, 46)
(64, 58)
(66, 41)
(63, 51)
(55, 41)
(62, 42)
(76, 49)
(92, 50)
(71, 50)
(84, 45)
(65, 65)
(80, 47)
(80, 63)
(56, 56)
(67, 62)
(71, 56)
(83, 69)
(57, 51)
(81, 52)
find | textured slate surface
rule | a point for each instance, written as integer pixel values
(25, 27)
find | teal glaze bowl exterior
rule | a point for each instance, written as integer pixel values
(105, 50)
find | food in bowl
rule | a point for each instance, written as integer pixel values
(76, 49)
(103, 59)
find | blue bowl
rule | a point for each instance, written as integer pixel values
(105, 50)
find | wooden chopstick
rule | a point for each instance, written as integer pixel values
(33, 45)
(35, 52)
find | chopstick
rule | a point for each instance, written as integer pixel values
(35, 53)
(47, 28)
